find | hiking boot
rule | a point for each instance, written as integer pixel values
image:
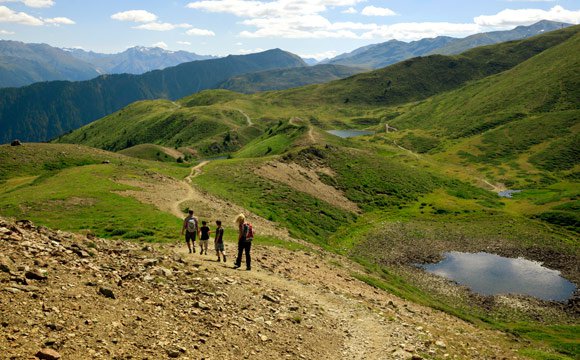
(219, 259)
(224, 258)
(236, 266)
(248, 268)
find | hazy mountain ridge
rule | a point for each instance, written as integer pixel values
(23, 64)
(42, 111)
(136, 60)
(383, 54)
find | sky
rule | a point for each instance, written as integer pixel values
(310, 28)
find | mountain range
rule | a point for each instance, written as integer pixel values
(380, 55)
(42, 111)
(23, 64)
(136, 60)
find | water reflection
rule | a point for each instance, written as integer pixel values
(350, 133)
(491, 274)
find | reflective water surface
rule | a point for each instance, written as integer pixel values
(490, 274)
(350, 133)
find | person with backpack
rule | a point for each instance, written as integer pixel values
(204, 238)
(219, 241)
(245, 237)
(191, 230)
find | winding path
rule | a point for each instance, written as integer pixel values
(186, 183)
(248, 119)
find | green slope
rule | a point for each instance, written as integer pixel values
(418, 78)
(281, 79)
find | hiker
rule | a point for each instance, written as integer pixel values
(204, 238)
(219, 241)
(245, 237)
(191, 230)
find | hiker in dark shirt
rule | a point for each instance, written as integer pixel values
(219, 241)
(245, 237)
(204, 238)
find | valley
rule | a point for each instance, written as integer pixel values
(342, 223)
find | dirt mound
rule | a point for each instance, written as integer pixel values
(67, 295)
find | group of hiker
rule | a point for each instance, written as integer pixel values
(192, 230)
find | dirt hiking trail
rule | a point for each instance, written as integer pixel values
(341, 316)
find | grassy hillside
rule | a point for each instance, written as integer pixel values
(77, 188)
(288, 78)
(208, 130)
(418, 78)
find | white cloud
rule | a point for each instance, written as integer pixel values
(377, 11)
(350, 10)
(135, 16)
(277, 8)
(33, 3)
(184, 43)
(320, 56)
(161, 44)
(303, 19)
(199, 32)
(9, 16)
(5, 32)
(157, 26)
(59, 21)
(416, 31)
(509, 18)
(249, 51)
(39, 3)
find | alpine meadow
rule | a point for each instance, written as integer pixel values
(463, 149)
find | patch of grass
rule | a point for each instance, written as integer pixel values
(90, 204)
(305, 216)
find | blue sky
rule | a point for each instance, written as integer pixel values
(309, 28)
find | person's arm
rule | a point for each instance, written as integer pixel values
(183, 227)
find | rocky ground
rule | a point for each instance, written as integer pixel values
(67, 296)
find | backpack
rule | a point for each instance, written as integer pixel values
(191, 225)
(248, 232)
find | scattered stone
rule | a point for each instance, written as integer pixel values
(15, 142)
(35, 275)
(440, 344)
(48, 354)
(107, 292)
(271, 298)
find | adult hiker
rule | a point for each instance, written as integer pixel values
(245, 237)
(191, 229)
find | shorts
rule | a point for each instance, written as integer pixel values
(219, 246)
(203, 243)
(190, 236)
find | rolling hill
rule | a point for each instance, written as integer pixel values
(43, 111)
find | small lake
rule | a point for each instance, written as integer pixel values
(350, 133)
(490, 274)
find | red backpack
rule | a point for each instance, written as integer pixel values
(248, 232)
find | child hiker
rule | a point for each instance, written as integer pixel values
(204, 238)
(219, 241)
